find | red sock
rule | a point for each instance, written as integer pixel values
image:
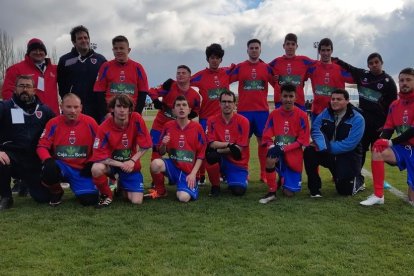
(202, 170)
(158, 179)
(213, 174)
(262, 152)
(271, 181)
(378, 175)
(101, 183)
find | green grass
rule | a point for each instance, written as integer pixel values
(222, 236)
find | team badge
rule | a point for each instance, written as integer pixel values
(286, 127)
(38, 114)
(94, 60)
(405, 117)
(254, 75)
(72, 137)
(327, 78)
(216, 81)
(289, 69)
(227, 135)
(380, 85)
(124, 140)
(181, 141)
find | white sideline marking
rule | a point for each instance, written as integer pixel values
(393, 190)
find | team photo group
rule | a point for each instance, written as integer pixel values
(80, 122)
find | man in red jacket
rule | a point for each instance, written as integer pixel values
(43, 71)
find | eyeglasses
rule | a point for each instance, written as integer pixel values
(226, 102)
(23, 86)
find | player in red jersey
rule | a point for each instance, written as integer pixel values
(326, 77)
(185, 143)
(121, 141)
(228, 147)
(65, 149)
(122, 75)
(397, 151)
(286, 131)
(291, 68)
(168, 92)
(254, 77)
(211, 82)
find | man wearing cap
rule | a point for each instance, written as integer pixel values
(77, 71)
(43, 71)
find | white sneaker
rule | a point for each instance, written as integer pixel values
(372, 200)
(267, 198)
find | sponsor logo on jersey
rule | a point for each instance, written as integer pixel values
(121, 154)
(283, 140)
(293, 79)
(214, 94)
(182, 155)
(323, 90)
(122, 88)
(369, 94)
(253, 85)
(71, 151)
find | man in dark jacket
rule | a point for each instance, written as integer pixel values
(336, 134)
(22, 120)
(77, 71)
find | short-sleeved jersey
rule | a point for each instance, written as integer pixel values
(287, 127)
(211, 83)
(253, 79)
(234, 132)
(168, 97)
(126, 78)
(186, 145)
(291, 70)
(69, 142)
(121, 144)
(326, 78)
(401, 117)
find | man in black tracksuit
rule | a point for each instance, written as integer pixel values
(77, 71)
(377, 90)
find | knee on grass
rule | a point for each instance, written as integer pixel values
(183, 196)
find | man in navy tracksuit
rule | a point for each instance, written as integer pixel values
(77, 71)
(336, 134)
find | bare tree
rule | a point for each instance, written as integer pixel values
(53, 56)
(7, 56)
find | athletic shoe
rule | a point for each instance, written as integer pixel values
(202, 181)
(153, 194)
(104, 201)
(372, 200)
(359, 189)
(270, 196)
(6, 203)
(56, 199)
(215, 191)
(316, 195)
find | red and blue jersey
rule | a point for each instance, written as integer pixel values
(168, 97)
(126, 78)
(186, 145)
(290, 130)
(120, 144)
(325, 79)
(236, 131)
(211, 83)
(68, 142)
(254, 79)
(291, 70)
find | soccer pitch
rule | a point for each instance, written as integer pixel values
(227, 235)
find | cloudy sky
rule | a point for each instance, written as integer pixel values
(163, 33)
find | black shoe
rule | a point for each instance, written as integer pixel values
(202, 181)
(104, 201)
(23, 191)
(270, 196)
(215, 191)
(55, 199)
(6, 203)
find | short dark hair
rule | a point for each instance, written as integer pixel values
(291, 37)
(325, 42)
(407, 71)
(254, 40)
(288, 87)
(123, 100)
(119, 38)
(182, 66)
(375, 55)
(228, 93)
(76, 30)
(341, 91)
(25, 77)
(180, 98)
(214, 49)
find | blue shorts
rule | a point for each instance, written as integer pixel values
(178, 177)
(257, 120)
(292, 179)
(79, 185)
(130, 182)
(235, 175)
(405, 160)
(155, 136)
(203, 123)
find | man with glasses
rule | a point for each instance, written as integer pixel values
(22, 120)
(228, 147)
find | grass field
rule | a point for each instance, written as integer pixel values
(332, 235)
